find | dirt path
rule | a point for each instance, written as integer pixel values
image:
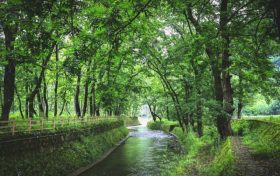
(248, 165)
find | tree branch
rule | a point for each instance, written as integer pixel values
(117, 31)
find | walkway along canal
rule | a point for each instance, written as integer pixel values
(144, 153)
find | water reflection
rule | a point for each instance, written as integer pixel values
(144, 153)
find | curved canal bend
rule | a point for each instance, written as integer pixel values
(144, 153)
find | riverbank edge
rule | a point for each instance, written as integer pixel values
(200, 158)
(104, 156)
(56, 160)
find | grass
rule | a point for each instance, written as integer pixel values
(263, 137)
(223, 163)
(269, 118)
(131, 121)
(205, 156)
(62, 160)
(22, 126)
(163, 125)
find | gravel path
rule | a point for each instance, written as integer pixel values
(248, 165)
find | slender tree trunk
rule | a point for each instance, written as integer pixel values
(67, 110)
(167, 113)
(199, 110)
(85, 98)
(63, 104)
(9, 74)
(151, 111)
(32, 94)
(77, 95)
(172, 94)
(187, 88)
(1, 99)
(26, 100)
(276, 5)
(56, 80)
(239, 108)
(176, 102)
(98, 109)
(45, 92)
(31, 110)
(19, 103)
(192, 121)
(240, 98)
(40, 104)
(92, 100)
(91, 106)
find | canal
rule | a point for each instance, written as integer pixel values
(144, 153)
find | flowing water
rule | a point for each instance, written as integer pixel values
(144, 153)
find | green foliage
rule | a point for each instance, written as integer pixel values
(240, 127)
(192, 146)
(184, 58)
(259, 106)
(205, 156)
(101, 124)
(131, 121)
(163, 125)
(65, 159)
(260, 135)
(224, 161)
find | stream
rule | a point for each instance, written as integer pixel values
(144, 153)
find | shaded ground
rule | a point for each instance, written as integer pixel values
(251, 165)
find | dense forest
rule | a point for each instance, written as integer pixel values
(186, 59)
(196, 64)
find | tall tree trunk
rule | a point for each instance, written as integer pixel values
(9, 73)
(56, 80)
(63, 104)
(33, 93)
(199, 114)
(226, 78)
(167, 113)
(222, 123)
(92, 100)
(77, 95)
(91, 105)
(67, 110)
(98, 109)
(187, 88)
(239, 108)
(171, 92)
(40, 104)
(240, 97)
(199, 108)
(227, 88)
(151, 111)
(192, 121)
(19, 103)
(85, 98)
(45, 93)
(275, 5)
(26, 100)
(1, 99)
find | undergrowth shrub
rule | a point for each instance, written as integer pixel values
(261, 136)
(64, 159)
(163, 125)
(223, 162)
